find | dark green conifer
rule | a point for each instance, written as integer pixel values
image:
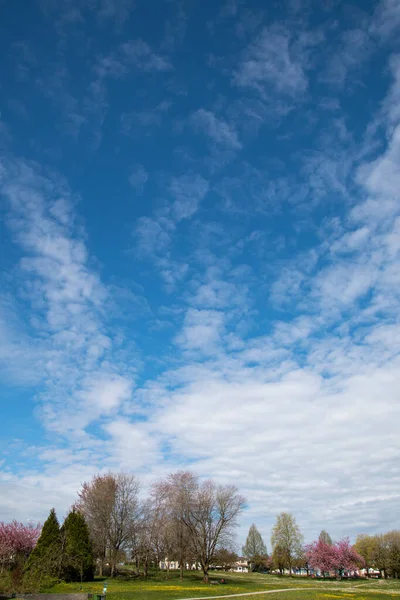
(77, 564)
(45, 558)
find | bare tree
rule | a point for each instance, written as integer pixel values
(96, 501)
(148, 536)
(124, 515)
(111, 508)
(286, 540)
(173, 495)
(210, 516)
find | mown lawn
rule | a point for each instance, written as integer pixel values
(313, 594)
(157, 586)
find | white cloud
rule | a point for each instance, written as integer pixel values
(355, 48)
(386, 19)
(382, 176)
(187, 191)
(270, 64)
(218, 130)
(152, 235)
(134, 54)
(67, 299)
(134, 445)
(105, 393)
(201, 330)
(138, 178)
(282, 378)
(139, 54)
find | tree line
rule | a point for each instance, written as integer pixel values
(110, 523)
(380, 552)
(32, 556)
(182, 518)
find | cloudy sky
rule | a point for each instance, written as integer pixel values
(200, 240)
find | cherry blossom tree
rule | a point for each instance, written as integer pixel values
(17, 541)
(347, 559)
(321, 555)
(338, 557)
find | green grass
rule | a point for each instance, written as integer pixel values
(157, 586)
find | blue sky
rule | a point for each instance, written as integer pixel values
(200, 243)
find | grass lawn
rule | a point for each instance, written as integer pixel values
(158, 587)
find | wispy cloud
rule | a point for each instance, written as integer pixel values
(270, 63)
(135, 54)
(187, 192)
(138, 178)
(154, 235)
(386, 20)
(354, 49)
(67, 297)
(218, 130)
(260, 300)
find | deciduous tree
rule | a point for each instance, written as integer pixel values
(96, 500)
(210, 515)
(17, 541)
(110, 505)
(225, 558)
(287, 537)
(347, 559)
(172, 494)
(381, 554)
(322, 556)
(393, 551)
(339, 557)
(365, 546)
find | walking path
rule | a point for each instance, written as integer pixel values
(247, 594)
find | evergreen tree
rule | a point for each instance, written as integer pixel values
(325, 537)
(255, 549)
(45, 558)
(77, 562)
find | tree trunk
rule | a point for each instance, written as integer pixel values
(181, 565)
(205, 571)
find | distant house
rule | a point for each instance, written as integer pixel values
(241, 565)
(167, 564)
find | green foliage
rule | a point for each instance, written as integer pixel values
(325, 537)
(77, 561)
(255, 549)
(45, 558)
(287, 541)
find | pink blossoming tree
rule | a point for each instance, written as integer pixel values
(16, 541)
(338, 557)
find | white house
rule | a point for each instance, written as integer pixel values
(241, 565)
(167, 564)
